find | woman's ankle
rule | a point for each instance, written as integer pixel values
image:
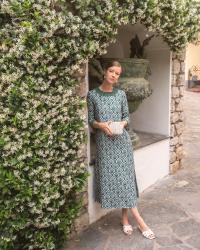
(125, 221)
(143, 226)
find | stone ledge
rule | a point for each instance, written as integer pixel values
(147, 139)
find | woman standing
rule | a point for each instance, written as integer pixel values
(115, 180)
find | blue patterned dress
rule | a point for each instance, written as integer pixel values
(115, 180)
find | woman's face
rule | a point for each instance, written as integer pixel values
(112, 74)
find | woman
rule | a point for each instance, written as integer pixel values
(115, 180)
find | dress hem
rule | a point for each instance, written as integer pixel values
(110, 207)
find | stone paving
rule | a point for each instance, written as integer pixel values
(171, 207)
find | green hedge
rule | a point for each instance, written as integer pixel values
(43, 44)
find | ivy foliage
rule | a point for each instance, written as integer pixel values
(43, 43)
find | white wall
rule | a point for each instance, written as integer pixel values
(153, 115)
(151, 163)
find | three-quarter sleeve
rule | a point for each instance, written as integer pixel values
(125, 109)
(90, 106)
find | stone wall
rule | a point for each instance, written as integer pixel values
(177, 116)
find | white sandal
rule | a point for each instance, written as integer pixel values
(127, 229)
(149, 234)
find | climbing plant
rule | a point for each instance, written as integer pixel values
(43, 43)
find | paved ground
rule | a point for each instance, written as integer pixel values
(171, 207)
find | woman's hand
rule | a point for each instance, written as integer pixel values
(104, 126)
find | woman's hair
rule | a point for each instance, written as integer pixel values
(111, 63)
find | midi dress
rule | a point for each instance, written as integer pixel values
(114, 170)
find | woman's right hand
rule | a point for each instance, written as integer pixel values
(104, 126)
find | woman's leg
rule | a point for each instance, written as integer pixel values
(125, 216)
(127, 228)
(138, 218)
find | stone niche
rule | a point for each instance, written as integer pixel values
(159, 120)
(151, 120)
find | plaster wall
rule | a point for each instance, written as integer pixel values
(153, 115)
